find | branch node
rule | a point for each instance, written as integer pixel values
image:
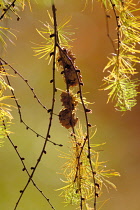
(88, 110)
(49, 110)
(97, 185)
(52, 53)
(52, 35)
(21, 191)
(89, 125)
(78, 70)
(62, 72)
(97, 195)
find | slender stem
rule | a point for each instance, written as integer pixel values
(51, 113)
(70, 63)
(107, 29)
(8, 8)
(22, 161)
(19, 106)
(118, 28)
(26, 81)
(118, 47)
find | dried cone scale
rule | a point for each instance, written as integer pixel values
(72, 77)
(67, 118)
(67, 115)
(68, 100)
(67, 61)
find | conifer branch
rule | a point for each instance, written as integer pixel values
(69, 66)
(43, 151)
(121, 67)
(24, 166)
(13, 7)
(26, 81)
(69, 120)
(85, 173)
(81, 168)
(19, 106)
(118, 33)
(107, 17)
(65, 63)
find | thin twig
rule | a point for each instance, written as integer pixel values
(8, 8)
(118, 43)
(78, 168)
(26, 81)
(19, 106)
(87, 139)
(118, 29)
(51, 112)
(24, 166)
(107, 17)
(70, 63)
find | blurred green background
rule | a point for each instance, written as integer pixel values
(120, 132)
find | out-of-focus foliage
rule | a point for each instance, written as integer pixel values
(8, 9)
(6, 34)
(5, 109)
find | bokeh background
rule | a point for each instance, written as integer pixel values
(120, 132)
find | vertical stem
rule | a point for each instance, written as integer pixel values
(51, 112)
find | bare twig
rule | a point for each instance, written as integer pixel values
(7, 9)
(19, 106)
(24, 166)
(43, 151)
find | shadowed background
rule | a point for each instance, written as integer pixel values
(121, 133)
